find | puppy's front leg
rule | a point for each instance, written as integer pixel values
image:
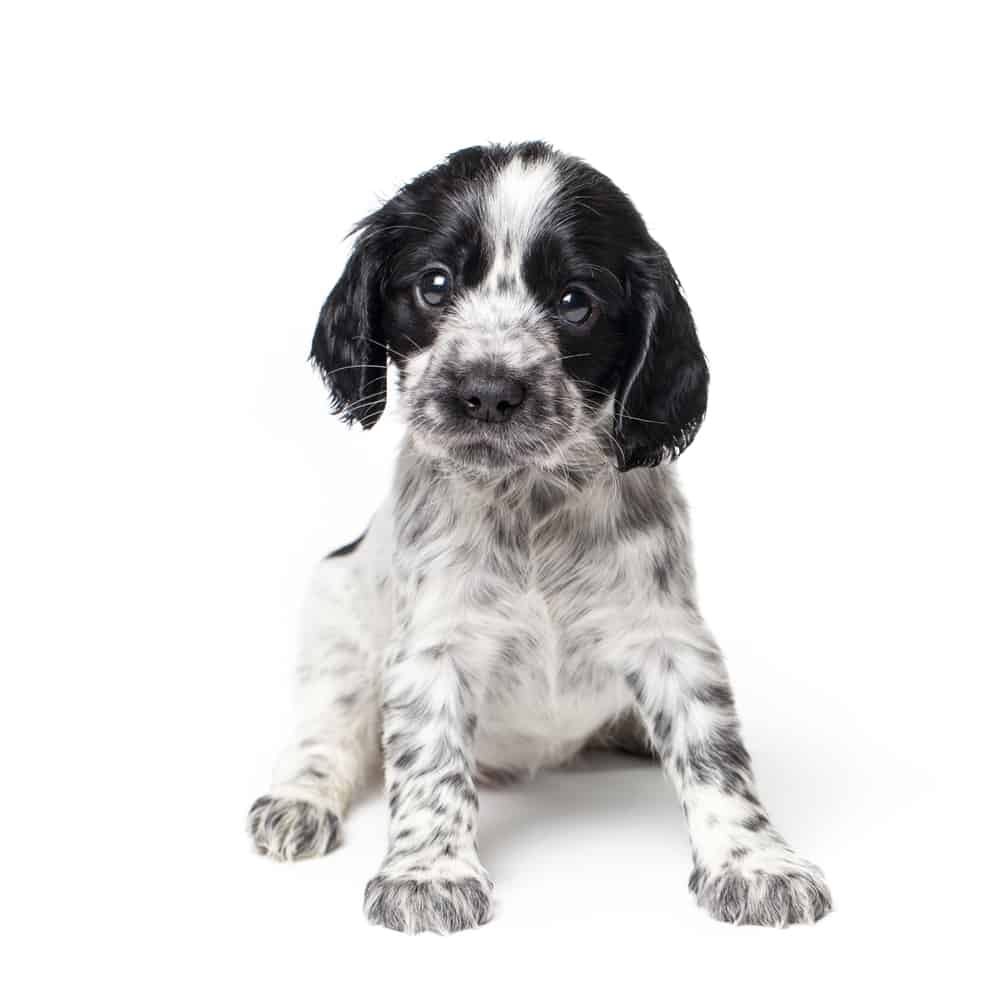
(744, 871)
(431, 878)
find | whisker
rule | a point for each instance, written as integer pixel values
(392, 229)
(345, 368)
(393, 351)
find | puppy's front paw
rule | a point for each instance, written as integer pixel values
(291, 829)
(763, 889)
(421, 901)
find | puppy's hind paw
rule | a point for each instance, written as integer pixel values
(291, 829)
(413, 905)
(764, 893)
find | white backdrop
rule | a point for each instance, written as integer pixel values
(176, 185)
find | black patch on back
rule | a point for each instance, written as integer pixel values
(346, 550)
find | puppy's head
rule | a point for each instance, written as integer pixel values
(532, 317)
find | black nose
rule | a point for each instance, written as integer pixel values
(490, 397)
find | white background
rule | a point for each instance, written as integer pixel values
(176, 182)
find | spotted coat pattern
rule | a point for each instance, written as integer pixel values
(518, 596)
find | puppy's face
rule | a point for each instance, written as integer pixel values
(533, 320)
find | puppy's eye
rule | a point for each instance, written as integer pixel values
(434, 287)
(575, 306)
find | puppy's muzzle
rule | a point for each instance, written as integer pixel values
(492, 398)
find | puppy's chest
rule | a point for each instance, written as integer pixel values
(546, 693)
(546, 664)
(562, 566)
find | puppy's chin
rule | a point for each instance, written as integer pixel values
(487, 450)
(493, 451)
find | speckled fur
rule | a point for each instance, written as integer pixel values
(526, 589)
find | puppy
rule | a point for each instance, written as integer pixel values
(527, 589)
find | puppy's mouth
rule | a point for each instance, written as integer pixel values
(496, 441)
(527, 439)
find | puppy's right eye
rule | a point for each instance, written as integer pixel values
(434, 287)
(575, 306)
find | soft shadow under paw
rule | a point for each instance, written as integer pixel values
(291, 829)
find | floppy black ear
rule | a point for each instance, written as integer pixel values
(348, 348)
(664, 390)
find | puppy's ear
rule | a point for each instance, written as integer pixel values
(348, 348)
(664, 390)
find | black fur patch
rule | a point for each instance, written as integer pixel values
(346, 550)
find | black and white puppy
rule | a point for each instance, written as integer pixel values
(527, 589)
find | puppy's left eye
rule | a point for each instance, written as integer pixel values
(434, 287)
(575, 306)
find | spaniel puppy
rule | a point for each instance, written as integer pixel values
(527, 589)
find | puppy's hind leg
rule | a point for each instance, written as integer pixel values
(336, 742)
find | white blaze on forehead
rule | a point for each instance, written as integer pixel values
(517, 205)
(498, 322)
(505, 330)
